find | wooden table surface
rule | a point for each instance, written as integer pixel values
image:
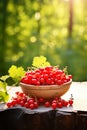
(77, 89)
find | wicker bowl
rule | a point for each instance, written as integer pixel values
(45, 91)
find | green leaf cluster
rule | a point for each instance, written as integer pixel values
(14, 75)
(12, 79)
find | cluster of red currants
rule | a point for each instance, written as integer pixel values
(33, 103)
(46, 76)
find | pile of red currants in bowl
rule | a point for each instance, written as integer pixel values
(46, 76)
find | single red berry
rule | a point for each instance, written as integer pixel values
(32, 98)
(9, 104)
(58, 77)
(48, 68)
(38, 83)
(52, 82)
(34, 81)
(45, 72)
(41, 100)
(64, 81)
(70, 102)
(24, 99)
(54, 105)
(67, 78)
(37, 74)
(59, 82)
(56, 98)
(29, 78)
(70, 76)
(65, 104)
(59, 105)
(31, 106)
(21, 94)
(22, 103)
(25, 80)
(42, 81)
(30, 101)
(46, 76)
(47, 104)
(54, 101)
(14, 102)
(18, 100)
(17, 93)
(26, 105)
(55, 81)
(36, 104)
(48, 81)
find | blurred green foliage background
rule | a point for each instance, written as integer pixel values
(56, 29)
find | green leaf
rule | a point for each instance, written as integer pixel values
(40, 62)
(16, 73)
(4, 96)
(3, 78)
(3, 86)
(10, 81)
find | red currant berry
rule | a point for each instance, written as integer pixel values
(54, 101)
(47, 104)
(70, 76)
(31, 106)
(17, 93)
(14, 102)
(9, 104)
(65, 104)
(70, 102)
(54, 105)
(36, 104)
(59, 105)
(22, 103)
(30, 101)
(26, 105)
(41, 100)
